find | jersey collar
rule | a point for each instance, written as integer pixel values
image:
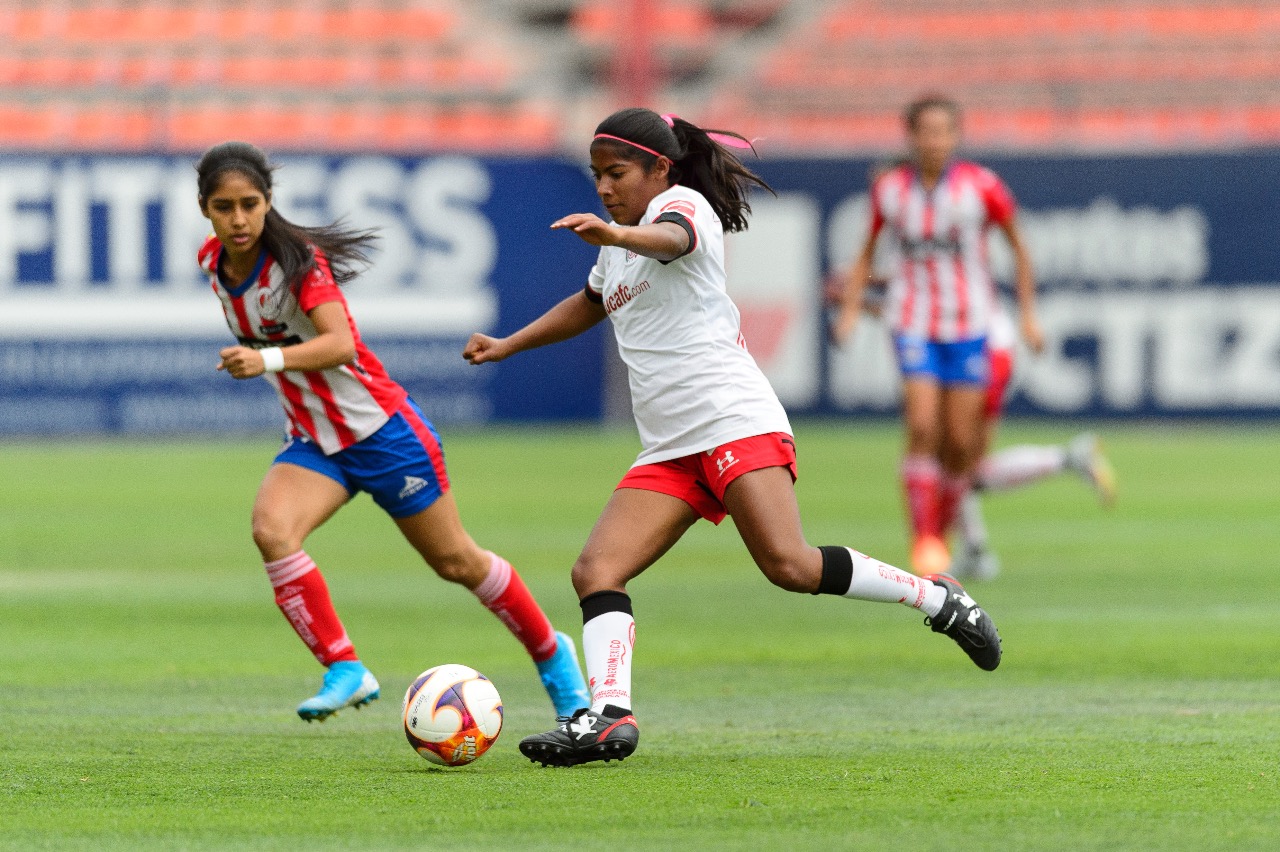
(237, 292)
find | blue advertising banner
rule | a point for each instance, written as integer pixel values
(1158, 280)
(1159, 284)
(106, 324)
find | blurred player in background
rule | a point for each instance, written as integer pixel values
(1013, 467)
(941, 297)
(715, 440)
(350, 429)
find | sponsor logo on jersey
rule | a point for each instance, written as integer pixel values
(921, 249)
(623, 295)
(412, 485)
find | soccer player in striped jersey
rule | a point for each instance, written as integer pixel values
(715, 440)
(937, 211)
(350, 429)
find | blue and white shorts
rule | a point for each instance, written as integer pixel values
(401, 465)
(964, 362)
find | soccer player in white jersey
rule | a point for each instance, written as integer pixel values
(1014, 467)
(715, 440)
(937, 211)
(350, 429)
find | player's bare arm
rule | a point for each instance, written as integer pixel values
(1025, 287)
(569, 318)
(660, 240)
(332, 347)
(855, 290)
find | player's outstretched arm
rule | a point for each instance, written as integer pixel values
(659, 240)
(568, 319)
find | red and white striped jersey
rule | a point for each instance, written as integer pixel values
(941, 288)
(336, 407)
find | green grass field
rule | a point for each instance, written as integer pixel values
(149, 682)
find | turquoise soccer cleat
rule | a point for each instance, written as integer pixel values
(346, 684)
(562, 678)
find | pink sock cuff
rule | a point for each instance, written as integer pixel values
(495, 584)
(289, 568)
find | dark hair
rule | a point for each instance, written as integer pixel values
(698, 161)
(933, 100)
(291, 245)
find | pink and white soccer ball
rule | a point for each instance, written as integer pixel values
(452, 714)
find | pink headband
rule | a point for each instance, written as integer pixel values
(629, 142)
(669, 118)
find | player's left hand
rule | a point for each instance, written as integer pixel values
(590, 227)
(1032, 334)
(242, 362)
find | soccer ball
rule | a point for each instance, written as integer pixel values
(452, 714)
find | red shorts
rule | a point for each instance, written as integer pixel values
(701, 479)
(1001, 372)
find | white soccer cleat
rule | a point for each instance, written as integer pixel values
(1085, 457)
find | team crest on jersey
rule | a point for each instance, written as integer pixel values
(274, 303)
(631, 255)
(681, 206)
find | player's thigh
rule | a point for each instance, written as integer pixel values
(436, 532)
(635, 529)
(921, 407)
(292, 502)
(963, 421)
(763, 506)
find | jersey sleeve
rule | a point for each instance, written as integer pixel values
(318, 286)
(207, 257)
(996, 196)
(689, 214)
(595, 281)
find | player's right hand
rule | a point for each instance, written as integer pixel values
(242, 362)
(481, 349)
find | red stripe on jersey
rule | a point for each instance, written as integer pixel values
(297, 411)
(332, 413)
(957, 264)
(931, 269)
(429, 443)
(242, 317)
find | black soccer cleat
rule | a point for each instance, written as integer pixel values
(611, 734)
(964, 621)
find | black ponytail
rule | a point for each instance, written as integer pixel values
(698, 160)
(292, 246)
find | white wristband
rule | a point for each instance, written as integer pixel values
(272, 359)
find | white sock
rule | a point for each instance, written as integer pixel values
(973, 528)
(1021, 465)
(607, 643)
(873, 580)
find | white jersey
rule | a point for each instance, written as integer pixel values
(694, 385)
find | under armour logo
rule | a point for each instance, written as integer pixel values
(726, 462)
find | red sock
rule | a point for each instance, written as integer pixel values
(507, 597)
(953, 490)
(921, 480)
(303, 597)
